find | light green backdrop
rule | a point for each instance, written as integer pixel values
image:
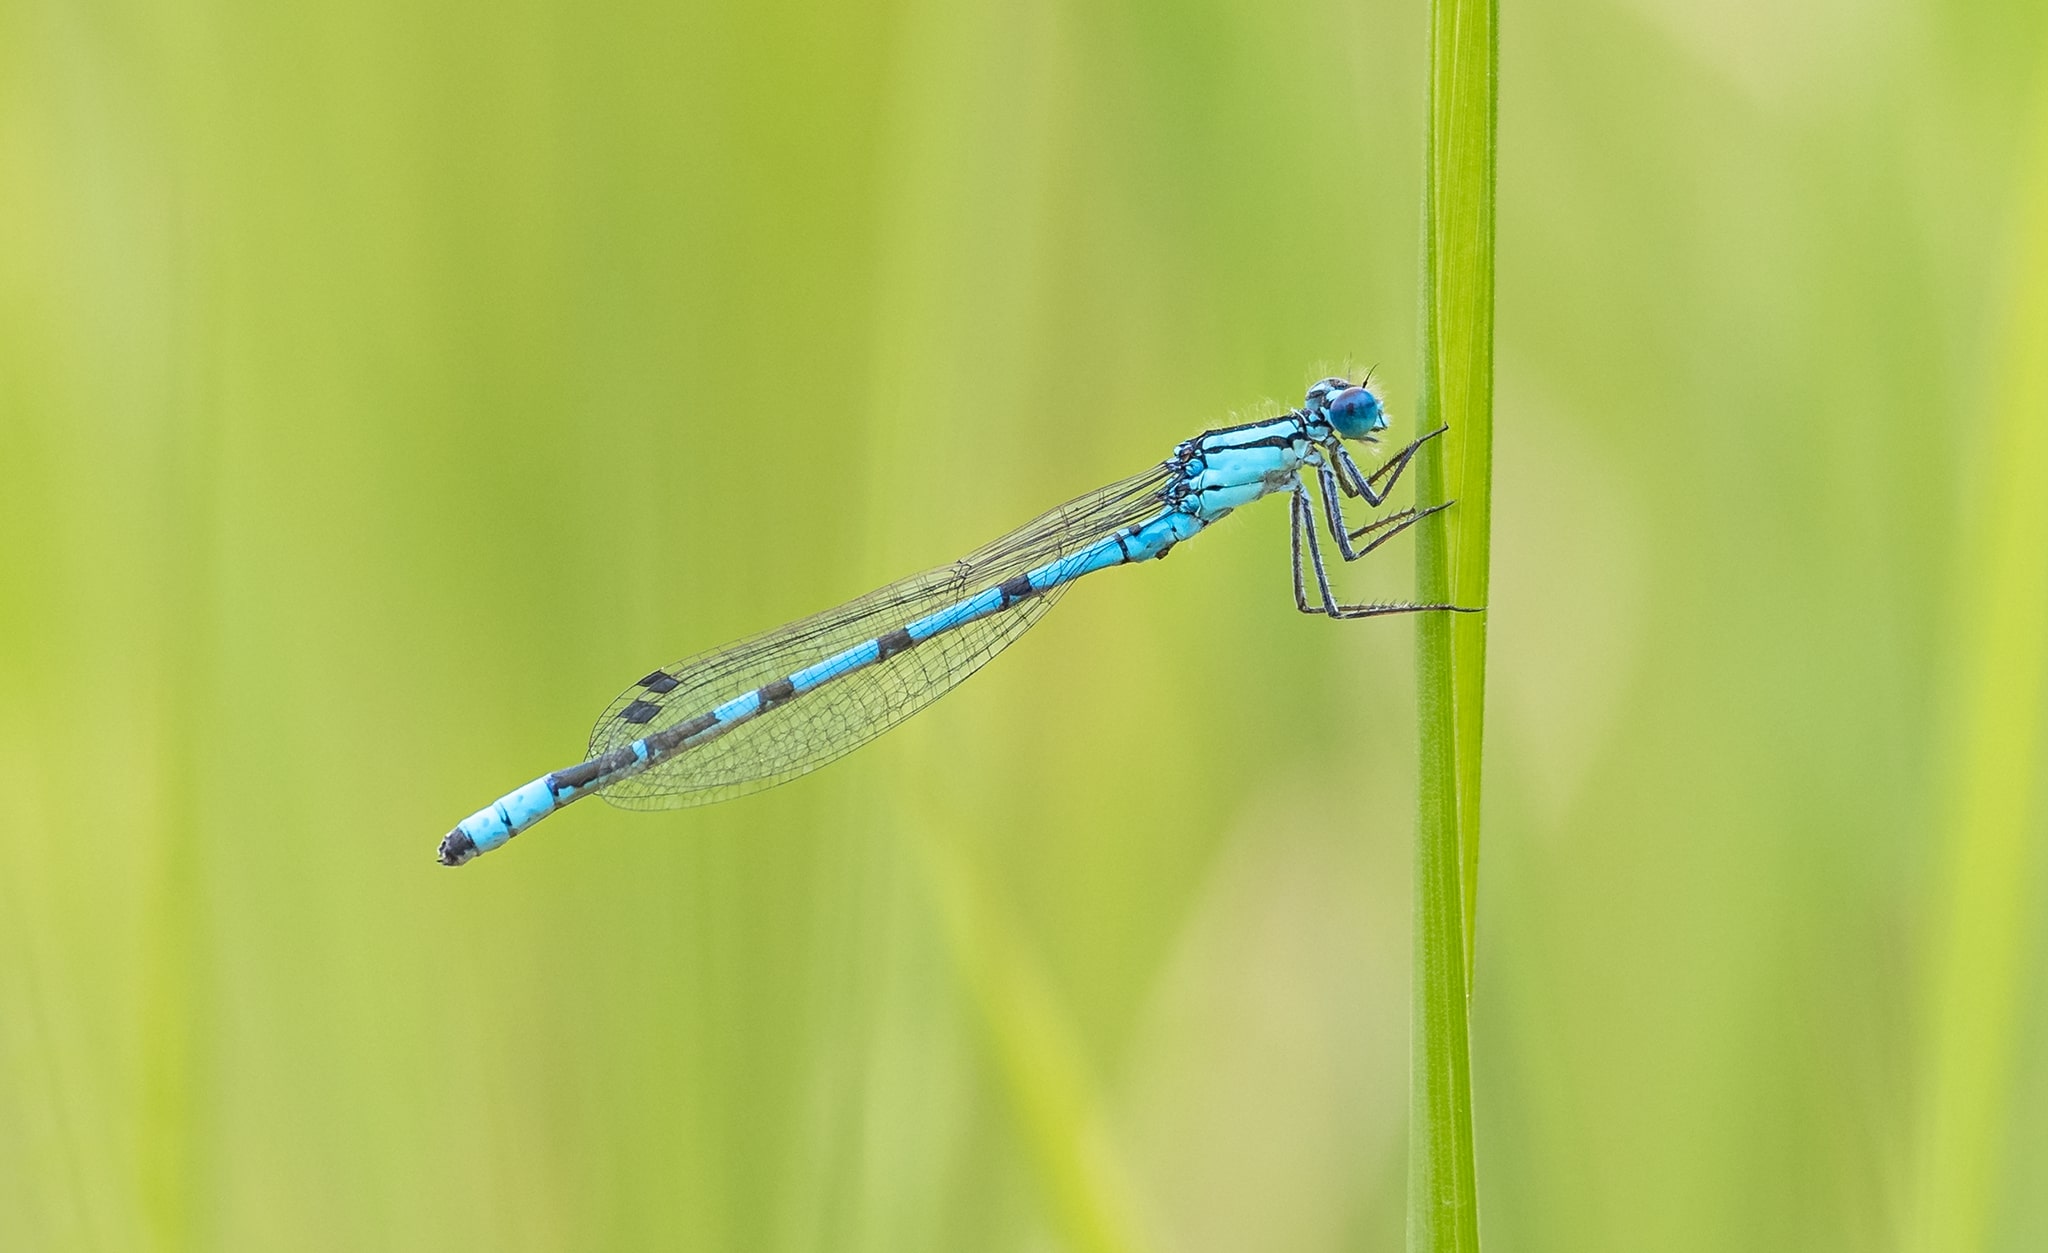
(384, 385)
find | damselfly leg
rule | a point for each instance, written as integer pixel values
(1304, 519)
(1356, 482)
(1334, 513)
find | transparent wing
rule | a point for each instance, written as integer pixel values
(843, 714)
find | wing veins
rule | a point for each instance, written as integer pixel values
(849, 710)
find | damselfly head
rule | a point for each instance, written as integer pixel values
(1354, 411)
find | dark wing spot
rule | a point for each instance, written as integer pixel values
(639, 712)
(660, 682)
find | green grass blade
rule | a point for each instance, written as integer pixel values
(1989, 895)
(1443, 1205)
(1037, 1059)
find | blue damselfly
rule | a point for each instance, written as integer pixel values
(767, 709)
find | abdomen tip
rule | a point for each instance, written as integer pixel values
(456, 848)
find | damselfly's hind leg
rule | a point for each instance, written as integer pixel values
(1398, 606)
(1304, 518)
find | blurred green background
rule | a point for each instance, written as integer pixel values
(384, 385)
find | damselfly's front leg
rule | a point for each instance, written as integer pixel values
(1356, 482)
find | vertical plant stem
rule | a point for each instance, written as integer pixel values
(1457, 390)
(1988, 898)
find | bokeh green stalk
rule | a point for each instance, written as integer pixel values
(1457, 390)
(1988, 899)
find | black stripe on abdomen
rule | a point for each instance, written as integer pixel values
(663, 741)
